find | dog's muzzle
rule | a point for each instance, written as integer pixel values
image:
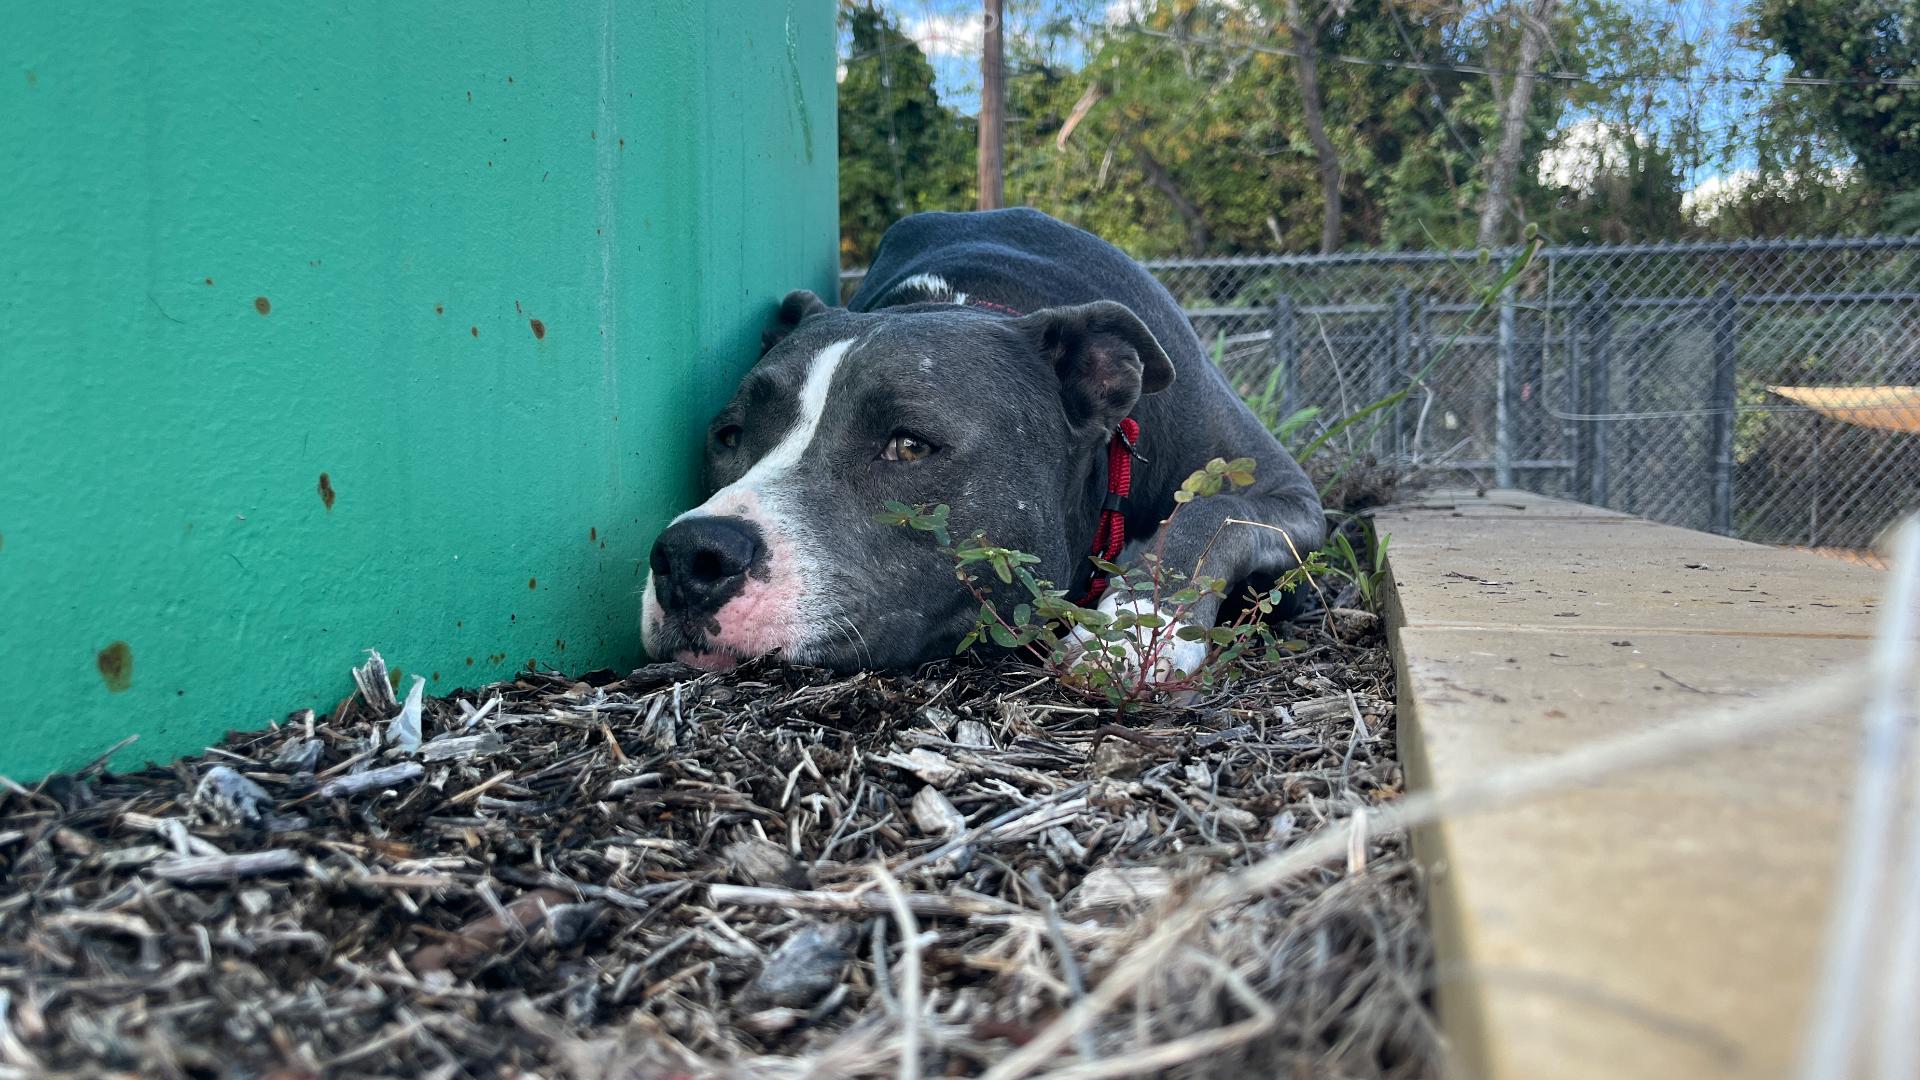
(702, 562)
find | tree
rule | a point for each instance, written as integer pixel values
(1228, 126)
(1859, 44)
(1535, 20)
(1802, 181)
(901, 150)
(1305, 39)
(1188, 130)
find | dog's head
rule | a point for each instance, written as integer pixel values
(997, 418)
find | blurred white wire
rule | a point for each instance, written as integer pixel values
(1863, 904)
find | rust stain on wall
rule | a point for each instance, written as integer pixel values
(116, 666)
(326, 491)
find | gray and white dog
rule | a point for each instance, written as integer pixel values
(985, 364)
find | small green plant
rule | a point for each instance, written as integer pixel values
(1366, 572)
(1269, 399)
(1289, 430)
(1126, 654)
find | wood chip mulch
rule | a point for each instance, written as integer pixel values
(774, 872)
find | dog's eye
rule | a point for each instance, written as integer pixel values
(906, 447)
(728, 436)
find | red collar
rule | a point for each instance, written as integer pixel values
(1111, 534)
(988, 305)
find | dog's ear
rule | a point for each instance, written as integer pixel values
(1105, 358)
(798, 307)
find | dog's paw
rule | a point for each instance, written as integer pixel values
(1173, 659)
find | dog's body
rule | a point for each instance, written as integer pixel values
(984, 364)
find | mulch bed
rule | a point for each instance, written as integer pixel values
(774, 872)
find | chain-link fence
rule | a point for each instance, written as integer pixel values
(1764, 389)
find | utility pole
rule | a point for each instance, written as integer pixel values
(993, 110)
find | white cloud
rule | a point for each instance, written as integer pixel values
(1713, 194)
(1580, 153)
(1706, 198)
(947, 35)
(1122, 12)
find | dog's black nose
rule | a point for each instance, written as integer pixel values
(700, 563)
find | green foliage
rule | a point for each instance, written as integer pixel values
(1267, 401)
(1214, 478)
(1366, 573)
(1175, 133)
(1119, 657)
(1803, 182)
(1289, 429)
(1613, 160)
(901, 150)
(1219, 131)
(932, 521)
(1853, 41)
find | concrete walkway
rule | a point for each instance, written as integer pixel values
(1662, 924)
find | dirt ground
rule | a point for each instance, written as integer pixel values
(773, 872)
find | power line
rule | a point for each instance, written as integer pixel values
(1482, 69)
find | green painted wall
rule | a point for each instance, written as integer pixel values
(486, 266)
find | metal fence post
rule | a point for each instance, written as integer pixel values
(1527, 409)
(1419, 352)
(1576, 429)
(1600, 392)
(1392, 374)
(1502, 396)
(1726, 359)
(1284, 349)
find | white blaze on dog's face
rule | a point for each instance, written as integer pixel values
(847, 411)
(741, 530)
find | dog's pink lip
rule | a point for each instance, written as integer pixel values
(708, 660)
